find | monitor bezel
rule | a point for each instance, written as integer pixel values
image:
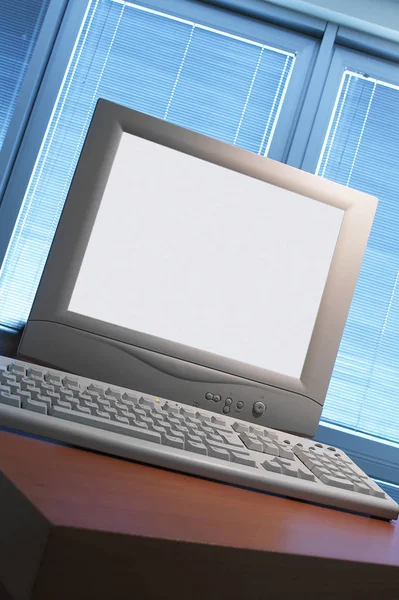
(108, 124)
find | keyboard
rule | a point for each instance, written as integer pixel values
(121, 422)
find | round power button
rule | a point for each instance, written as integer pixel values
(259, 408)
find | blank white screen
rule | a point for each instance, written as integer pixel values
(195, 253)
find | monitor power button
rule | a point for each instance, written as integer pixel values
(259, 408)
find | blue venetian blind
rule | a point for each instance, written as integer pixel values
(20, 24)
(362, 152)
(203, 79)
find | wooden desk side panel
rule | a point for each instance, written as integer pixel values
(23, 537)
(97, 565)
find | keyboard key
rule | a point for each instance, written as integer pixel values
(251, 442)
(35, 406)
(99, 423)
(320, 471)
(256, 431)
(304, 473)
(362, 488)
(203, 418)
(187, 412)
(143, 401)
(62, 403)
(53, 378)
(271, 466)
(92, 406)
(130, 399)
(375, 490)
(10, 399)
(17, 369)
(26, 382)
(82, 410)
(214, 437)
(287, 467)
(216, 452)
(207, 429)
(338, 483)
(34, 373)
(171, 409)
(122, 419)
(193, 438)
(285, 451)
(173, 442)
(111, 393)
(232, 440)
(102, 414)
(269, 448)
(97, 389)
(240, 427)
(70, 383)
(218, 421)
(243, 459)
(197, 447)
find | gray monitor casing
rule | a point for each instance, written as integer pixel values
(116, 355)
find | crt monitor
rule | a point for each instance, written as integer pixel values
(196, 271)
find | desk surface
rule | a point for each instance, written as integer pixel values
(76, 488)
(79, 491)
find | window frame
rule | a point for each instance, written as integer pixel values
(354, 60)
(31, 82)
(379, 458)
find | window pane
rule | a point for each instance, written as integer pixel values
(361, 151)
(207, 80)
(20, 24)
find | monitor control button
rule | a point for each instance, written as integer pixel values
(217, 398)
(228, 401)
(209, 396)
(259, 408)
(240, 404)
(226, 409)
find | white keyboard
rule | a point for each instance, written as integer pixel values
(129, 424)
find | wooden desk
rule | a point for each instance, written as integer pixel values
(75, 524)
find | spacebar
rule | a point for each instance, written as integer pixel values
(99, 423)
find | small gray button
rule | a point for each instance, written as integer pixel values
(240, 404)
(209, 396)
(226, 409)
(217, 398)
(217, 421)
(228, 401)
(259, 408)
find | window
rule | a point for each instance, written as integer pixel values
(361, 151)
(210, 80)
(20, 24)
